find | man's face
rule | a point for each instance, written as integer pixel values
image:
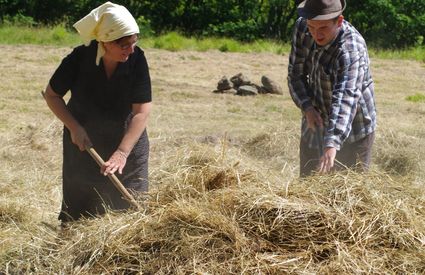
(324, 31)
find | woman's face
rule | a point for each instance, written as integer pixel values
(119, 50)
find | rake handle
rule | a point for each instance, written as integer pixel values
(117, 183)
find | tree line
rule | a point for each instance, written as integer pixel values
(383, 23)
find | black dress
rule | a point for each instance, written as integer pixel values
(103, 107)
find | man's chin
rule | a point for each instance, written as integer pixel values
(321, 43)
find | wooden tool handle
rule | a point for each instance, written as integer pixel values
(113, 178)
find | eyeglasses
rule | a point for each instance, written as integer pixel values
(127, 46)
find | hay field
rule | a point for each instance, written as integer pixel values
(225, 198)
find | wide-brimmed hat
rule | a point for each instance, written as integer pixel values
(321, 9)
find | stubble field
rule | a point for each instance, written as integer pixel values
(220, 147)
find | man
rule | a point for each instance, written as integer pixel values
(329, 79)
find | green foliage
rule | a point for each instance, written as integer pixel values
(416, 98)
(240, 30)
(389, 23)
(61, 35)
(384, 23)
(18, 20)
(145, 26)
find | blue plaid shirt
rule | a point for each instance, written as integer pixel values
(336, 80)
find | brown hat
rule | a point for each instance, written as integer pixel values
(321, 9)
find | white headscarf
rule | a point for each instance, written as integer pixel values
(106, 23)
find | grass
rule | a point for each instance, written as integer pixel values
(225, 197)
(57, 35)
(416, 53)
(418, 97)
(173, 41)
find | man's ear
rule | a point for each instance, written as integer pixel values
(340, 19)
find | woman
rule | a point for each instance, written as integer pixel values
(108, 109)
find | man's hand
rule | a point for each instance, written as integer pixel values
(115, 163)
(313, 118)
(327, 160)
(80, 138)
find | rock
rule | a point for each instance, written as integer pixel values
(224, 84)
(239, 80)
(260, 89)
(247, 90)
(270, 86)
(227, 91)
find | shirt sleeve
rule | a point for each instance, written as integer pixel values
(345, 97)
(65, 75)
(297, 77)
(141, 89)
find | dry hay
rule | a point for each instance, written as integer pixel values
(210, 216)
(13, 212)
(275, 147)
(398, 154)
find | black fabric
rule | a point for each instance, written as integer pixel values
(86, 192)
(103, 107)
(93, 93)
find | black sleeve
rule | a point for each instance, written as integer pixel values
(141, 89)
(65, 75)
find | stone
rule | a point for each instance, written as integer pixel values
(227, 91)
(224, 84)
(260, 89)
(239, 80)
(271, 86)
(247, 90)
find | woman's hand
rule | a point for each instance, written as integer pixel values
(80, 138)
(115, 163)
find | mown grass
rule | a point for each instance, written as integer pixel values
(173, 41)
(225, 195)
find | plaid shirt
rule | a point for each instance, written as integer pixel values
(336, 80)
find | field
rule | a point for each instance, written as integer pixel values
(225, 196)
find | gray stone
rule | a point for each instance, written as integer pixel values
(260, 89)
(271, 86)
(224, 84)
(227, 91)
(247, 90)
(239, 80)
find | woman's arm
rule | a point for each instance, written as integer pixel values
(57, 105)
(135, 129)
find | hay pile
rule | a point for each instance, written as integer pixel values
(210, 216)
